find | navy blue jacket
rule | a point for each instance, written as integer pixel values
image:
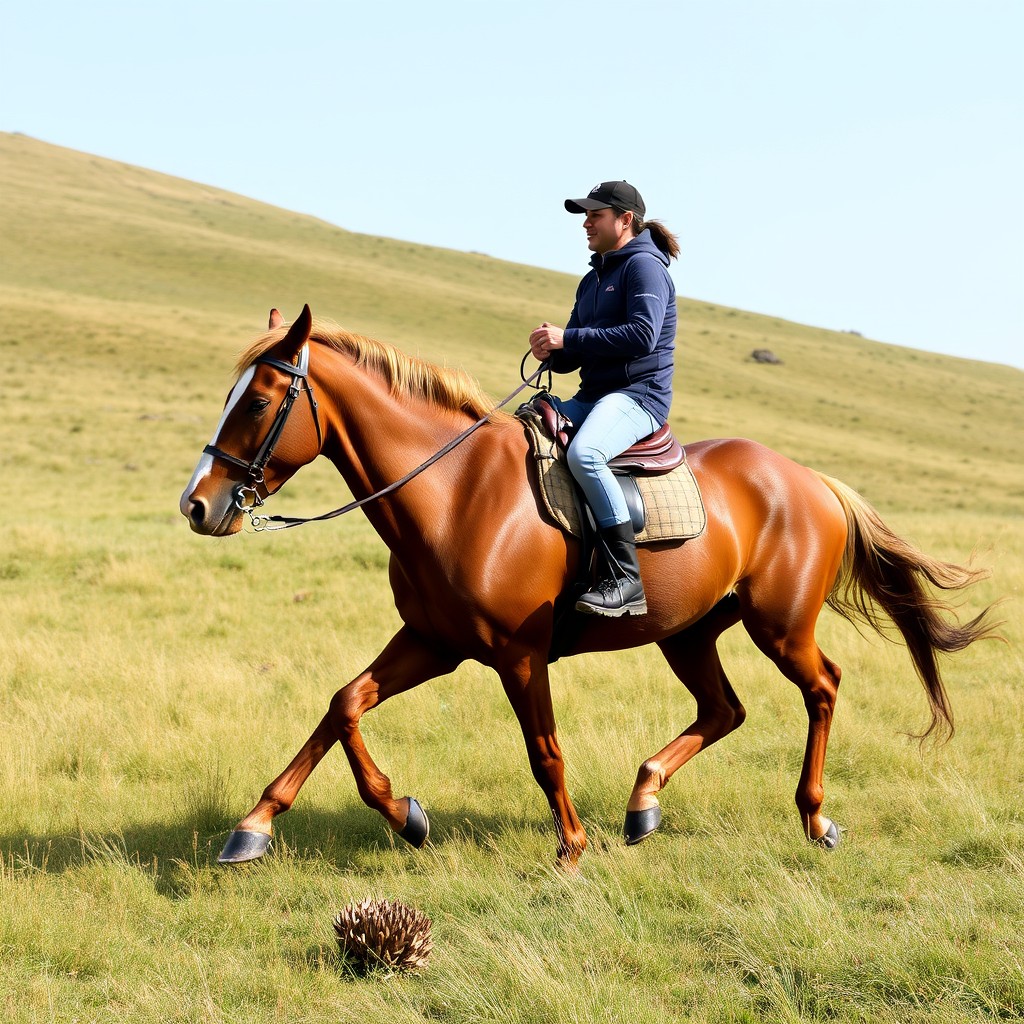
(621, 334)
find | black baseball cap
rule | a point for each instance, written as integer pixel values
(619, 194)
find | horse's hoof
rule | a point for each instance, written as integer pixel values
(244, 846)
(417, 824)
(830, 840)
(640, 824)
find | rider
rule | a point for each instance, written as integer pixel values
(621, 337)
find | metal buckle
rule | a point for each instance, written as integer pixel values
(243, 493)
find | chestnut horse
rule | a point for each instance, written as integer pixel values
(476, 568)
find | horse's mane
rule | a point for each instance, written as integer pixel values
(443, 386)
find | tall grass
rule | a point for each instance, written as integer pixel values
(152, 682)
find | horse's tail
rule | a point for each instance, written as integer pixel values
(883, 571)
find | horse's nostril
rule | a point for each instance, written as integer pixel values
(197, 512)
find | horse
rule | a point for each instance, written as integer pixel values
(478, 569)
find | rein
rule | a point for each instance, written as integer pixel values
(300, 381)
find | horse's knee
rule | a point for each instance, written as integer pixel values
(724, 717)
(347, 707)
(340, 711)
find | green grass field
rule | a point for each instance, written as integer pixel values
(152, 681)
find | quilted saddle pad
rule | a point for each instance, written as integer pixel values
(673, 506)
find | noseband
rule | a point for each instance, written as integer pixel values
(299, 374)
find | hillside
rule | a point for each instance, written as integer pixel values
(114, 276)
(153, 681)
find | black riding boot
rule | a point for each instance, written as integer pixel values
(618, 590)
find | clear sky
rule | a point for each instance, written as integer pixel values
(856, 165)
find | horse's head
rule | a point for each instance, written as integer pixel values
(265, 434)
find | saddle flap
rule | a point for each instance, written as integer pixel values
(659, 453)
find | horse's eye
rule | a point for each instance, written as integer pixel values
(258, 405)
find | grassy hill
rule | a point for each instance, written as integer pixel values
(151, 681)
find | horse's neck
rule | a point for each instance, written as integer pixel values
(377, 437)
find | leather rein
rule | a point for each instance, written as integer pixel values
(300, 382)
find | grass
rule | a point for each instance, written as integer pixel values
(152, 682)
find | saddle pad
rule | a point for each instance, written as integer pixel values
(675, 510)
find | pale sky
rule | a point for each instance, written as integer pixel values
(855, 165)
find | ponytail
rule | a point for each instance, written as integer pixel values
(660, 235)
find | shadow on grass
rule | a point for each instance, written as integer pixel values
(351, 838)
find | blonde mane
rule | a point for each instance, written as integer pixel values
(404, 374)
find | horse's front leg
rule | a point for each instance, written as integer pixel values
(529, 692)
(406, 662)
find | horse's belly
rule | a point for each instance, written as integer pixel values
(681, 585)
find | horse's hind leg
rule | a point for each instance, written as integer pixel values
(802, 662)
(406, 662)
(693, 656)
(818, 679)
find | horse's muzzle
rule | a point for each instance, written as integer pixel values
(212, 522)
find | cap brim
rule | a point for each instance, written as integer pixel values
(582, 205)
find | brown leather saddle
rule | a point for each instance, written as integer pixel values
(659, 453)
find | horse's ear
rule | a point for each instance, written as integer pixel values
(298, 333)
(276, 320)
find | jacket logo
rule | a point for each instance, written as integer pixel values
(610, 288)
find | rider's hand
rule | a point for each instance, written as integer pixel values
(546, 339)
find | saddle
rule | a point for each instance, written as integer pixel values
(657, 483)
(658, 453)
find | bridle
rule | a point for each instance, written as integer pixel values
(299, 373)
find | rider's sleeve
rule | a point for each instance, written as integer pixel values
(562, 361)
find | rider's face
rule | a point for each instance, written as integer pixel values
(606, 230)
